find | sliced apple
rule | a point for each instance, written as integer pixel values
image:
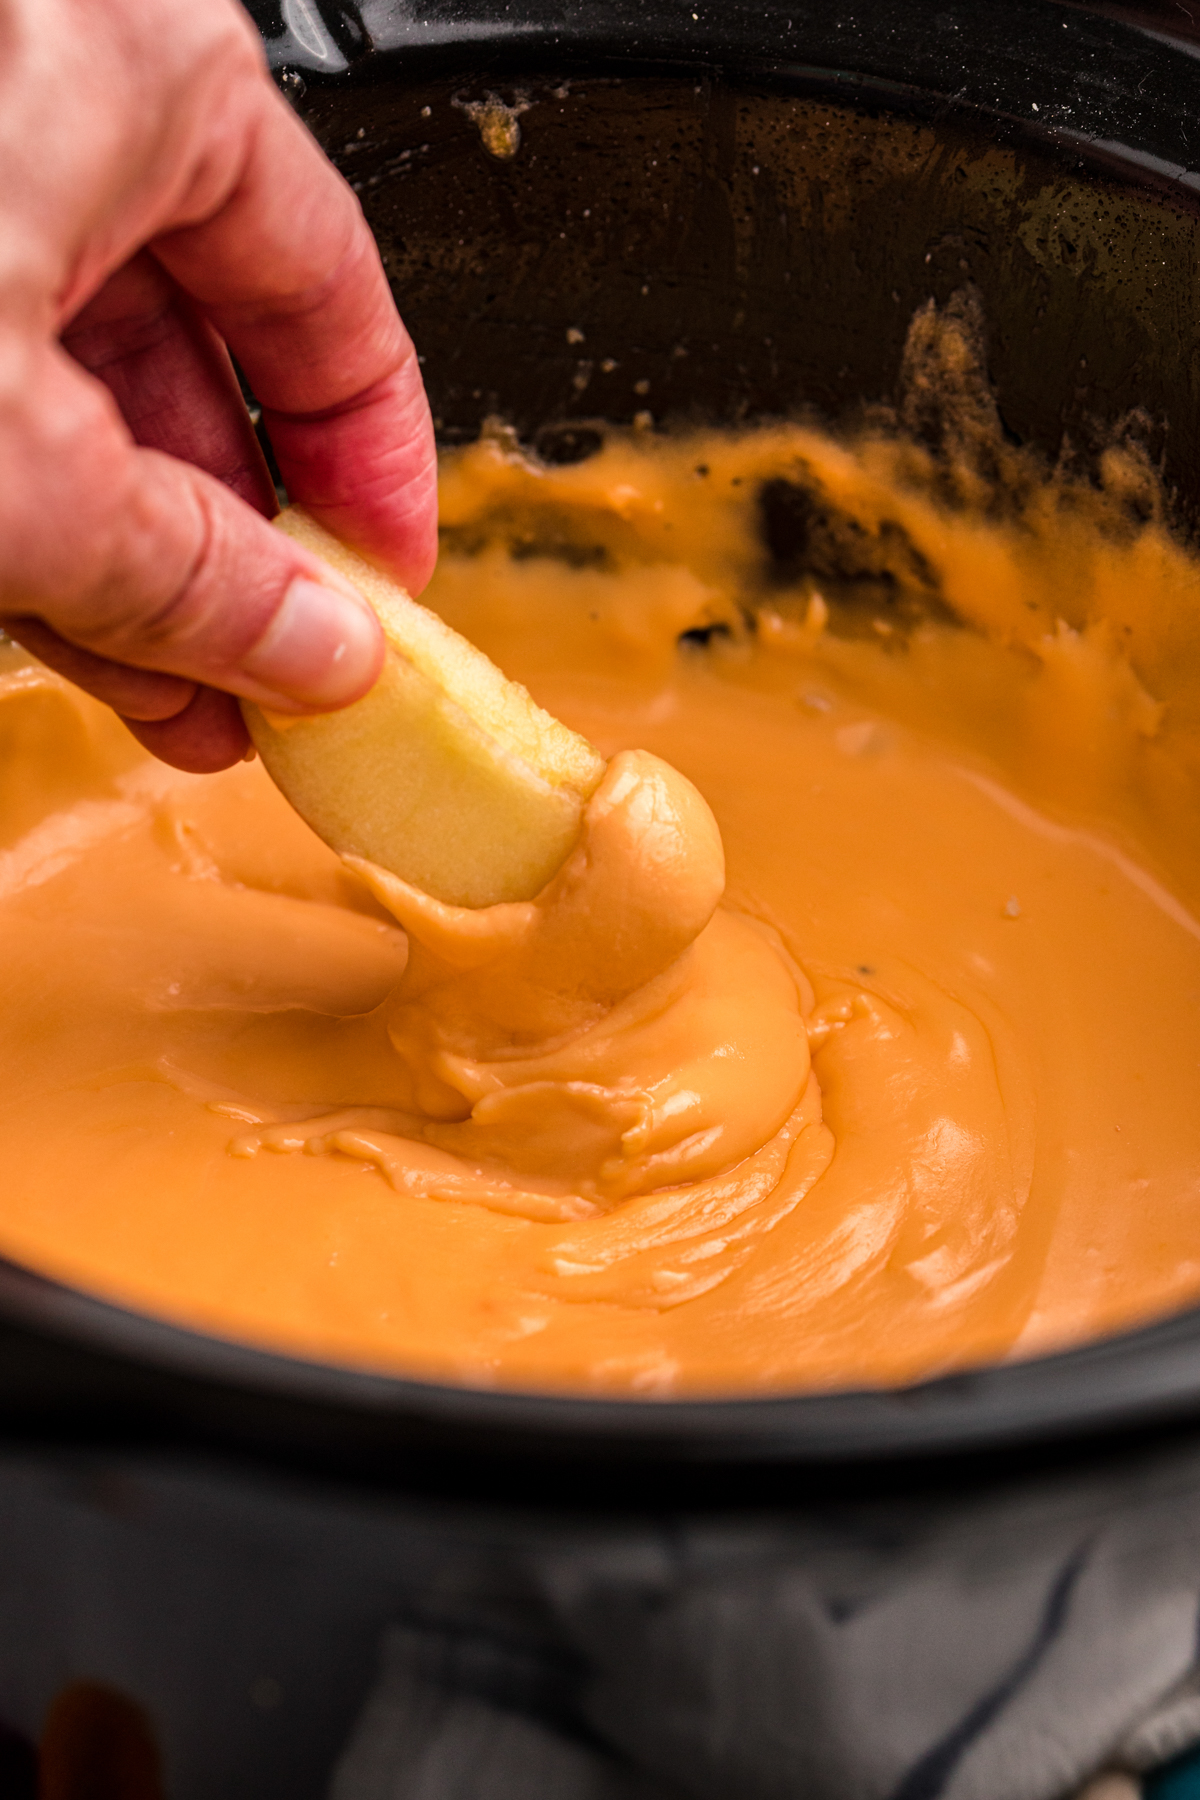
(446, 773)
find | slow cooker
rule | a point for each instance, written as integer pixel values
(984, 1587)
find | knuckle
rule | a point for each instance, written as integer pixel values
(56, 480)
(206, 590)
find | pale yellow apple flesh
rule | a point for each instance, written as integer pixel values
(446, 773)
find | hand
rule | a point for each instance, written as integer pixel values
(159, 201)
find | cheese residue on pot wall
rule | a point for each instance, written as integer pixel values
(946, 712)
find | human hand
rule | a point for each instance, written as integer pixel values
(159, 201)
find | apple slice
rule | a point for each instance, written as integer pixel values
(446, 773)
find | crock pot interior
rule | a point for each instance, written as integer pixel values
(740, 216)
(710, 253)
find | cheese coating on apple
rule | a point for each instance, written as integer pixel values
(446, 773)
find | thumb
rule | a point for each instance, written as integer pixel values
(148, 563)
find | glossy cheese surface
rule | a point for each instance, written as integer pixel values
(924, 1090)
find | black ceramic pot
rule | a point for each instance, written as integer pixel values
(741, 205)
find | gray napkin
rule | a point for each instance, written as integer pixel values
(1002, 1649)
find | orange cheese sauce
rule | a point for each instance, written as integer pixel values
(943, 1032)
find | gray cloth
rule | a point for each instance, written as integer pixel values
(1002, 1651)
(996, 1648)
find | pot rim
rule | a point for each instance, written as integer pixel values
(1025, 67)
(1144, 1378)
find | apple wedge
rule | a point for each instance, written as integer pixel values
(446, 773)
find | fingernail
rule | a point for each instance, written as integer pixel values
(321, 649)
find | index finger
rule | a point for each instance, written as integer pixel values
(285, 267)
